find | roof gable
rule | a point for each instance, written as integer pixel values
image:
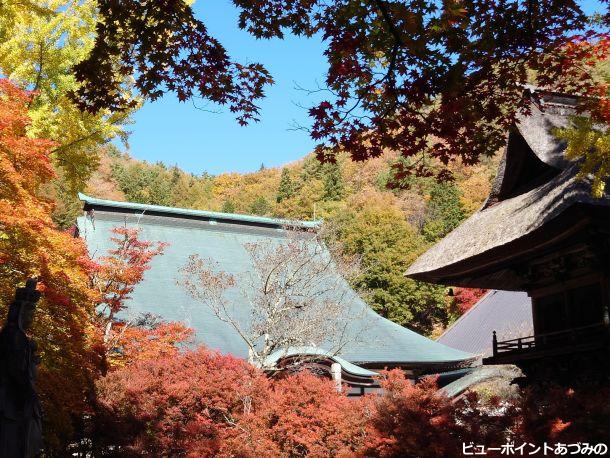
(519, 171)
(533, 154)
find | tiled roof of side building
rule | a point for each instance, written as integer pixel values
(378, 341)
(509, 313)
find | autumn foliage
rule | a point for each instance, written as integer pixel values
(559, 414)
(123, 267)
(114, 276)
(443, 79)
(416, 420)
(302, 415)
(204, 404)
(144, 342)
(177, 406)
(201, 403)
(31, 246)
(74, 340)
(465, 298)
(165, 49)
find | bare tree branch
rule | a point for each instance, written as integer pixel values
(296, 293)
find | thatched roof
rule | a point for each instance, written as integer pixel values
(534, 187)
(547, 113)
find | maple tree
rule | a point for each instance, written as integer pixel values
(201, 403)
(465, 298)
(410, 419)
(31, 246)
(444, 79)
(301, 415)
(164, 47)
(162, 339)
(67, 327)
(564, 414)
(114, 276)
(178, 405)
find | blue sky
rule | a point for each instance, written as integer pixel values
(198, 141)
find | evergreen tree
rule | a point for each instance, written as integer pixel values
(311, 168)
(260, 206)
(444, 212)
(228, 206)
(374, 228)
(333, 182)
(287, 188)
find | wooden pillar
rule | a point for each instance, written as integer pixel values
(335, 370)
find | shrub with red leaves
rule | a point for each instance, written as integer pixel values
(303, 415)
(176, 406)
(200, 404)
(558, 414)
(416, 420)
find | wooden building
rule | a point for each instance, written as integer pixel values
(223, 238)
(540, 231)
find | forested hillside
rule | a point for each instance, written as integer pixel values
(387, 228)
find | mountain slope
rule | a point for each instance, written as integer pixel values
(387, 228)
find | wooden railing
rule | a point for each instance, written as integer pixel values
(568, 337)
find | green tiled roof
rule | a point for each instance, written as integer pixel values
(222, 237)
(186, 212)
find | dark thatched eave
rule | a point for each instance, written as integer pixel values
(477, 253)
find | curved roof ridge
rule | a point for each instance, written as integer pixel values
(347, 366)
(176, 211)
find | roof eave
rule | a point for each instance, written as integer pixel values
(204, 214)
(463, 271)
